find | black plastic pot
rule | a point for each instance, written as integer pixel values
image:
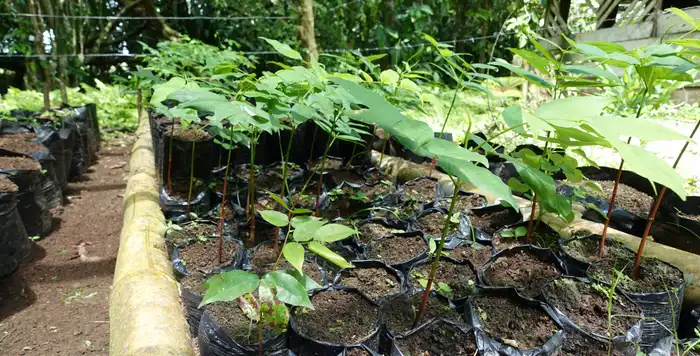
(204, 159)
(49, 182)
(490, 345)
(392, 225)
(237, 261)
(402, 266)
(60, 151)
(439, 329)
(89, 136)
(452, 245)
(307, 344)
(15, 247)
(575, 265)
(508, 216)
(436, 195)
(543, 255)
(32, 204)
(359, 265)
(176, 210)
(621, 344)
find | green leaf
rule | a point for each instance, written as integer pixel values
(277, 198)
(594, 71)
(509, 233)
(573, 107)
(543, 185)
(275, 218)
(389, 76)
(162, 91)
(540, 63)
(294, 254)
(645, 130)
(299, 211)
(298, 220)
(531, 77)
(283, 49)
(304, 280)
(520, 231)
(306, 230)
(513, 117)
(333, 232)
(228, 286)
(288, 289)
(442, 148)
(687, 18)
(517, 186)
(329, 255)
(485, 181)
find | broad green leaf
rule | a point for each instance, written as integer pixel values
(306, 230)
(298, 220)
(478, 87)
(594, 71)
(333, 232)
(591, 50)
(485, 181)
(442, 148)
(687, 42)
(294, 254)
(288, 289)
(543, 185)
(389, 76)
(228, 286)
(195, 95)
(513, 117)
(275, 218)
(687, 18)
(162, 91)
(538, 62)
(517, 185)
(409, 85)
(283, 49)
(645, 130)
(278, 199)
(542, 49)
(608, 47)
(531, 77)
(573, 107)
(329, 255)
(304, 280)
(298, 211)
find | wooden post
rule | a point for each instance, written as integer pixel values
(305, 30)
(139, 101)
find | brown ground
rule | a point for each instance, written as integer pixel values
(57, 304)
(18, 163)
(6, 185)
(20, 143)
(522, 270)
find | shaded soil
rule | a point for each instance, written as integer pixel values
(654, 275)
(513, 323)
(236, 324)
(357, 352)
(588, 307)
(265, 254)
(20, 143)
(576, 344)
(263, 233)
(242, 171)
(395, 250)
(627, 198)
(204, 256)
(373, 282)
(268, 181)
(403, 212)
(542, 236)
(344, 175)
(265, 203)
(181, 189)
(196, 230)
(432, 224)
(377, 191)
(491, 221)
(305, 200)
(400, 312)
(422, 190)
(689, 217)
(438, 339)
(57, 304)
(476, 254)
(586, 250)
(331, 164)
(8, 163)
(465, 202)
(194, 282)
(372, 231)
(190, 134)
(459, 277)
(6, 185)
(338, 317)
(521, 270)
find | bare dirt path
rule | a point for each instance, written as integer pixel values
(57, 304)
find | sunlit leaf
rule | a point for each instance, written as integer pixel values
(228, 286)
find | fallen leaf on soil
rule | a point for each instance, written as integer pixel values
(83, 253)
(118, 165)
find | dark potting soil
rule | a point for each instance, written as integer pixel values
(264, 254)
(236, 324)
(357, 352)
(492, 221)
(338, 317)
(513, 323)
(268, 181)
(204, 256)
(438, 339)
(372, 231)
(690, 217)
(373, 282)
(265, 203)
(310, 270)
(422, 190)
(476, 254)
(460, 278)
(200, 230)
(587, 250)
(433, 223)
(372, 177)
(522, 270)
(627, 197)
(9, 163)
(654, 275)
(345, 175)
(465, 202)
(303, 200)
(194, 282)
(332, 164)
(20, 143)
(191, 134)
(588, 307)
(262, 233)
(243, 172)
(397, 250)
(181, 189)
(541, 236)
(400, 312)
(576, 344)
(377, 191)
(6, 185)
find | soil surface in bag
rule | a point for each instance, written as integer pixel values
(310, 268)
(586, 250)
(331, 164)
(397, 249)
(204, 256)
(655, 276)
(338, 317)
(587, 307)
(477, 254)
(489, 221)
(437, 339)
(373, 230)
(432, 224)
(400, 312)
(522, 270)
(377, 192)
(421, 189)
(542, 236)
(577, 344)
(627, 198)
(514, 323)
(460, 278)
(241, 329)
(373, 282)
(464, 202)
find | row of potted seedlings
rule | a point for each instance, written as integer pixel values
(493, 293)
(39, 154)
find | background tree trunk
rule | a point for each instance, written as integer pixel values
(57, 49)
(460, 25)
(42, 62)
(305, 31)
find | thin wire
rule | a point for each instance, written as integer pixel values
(91, 17)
